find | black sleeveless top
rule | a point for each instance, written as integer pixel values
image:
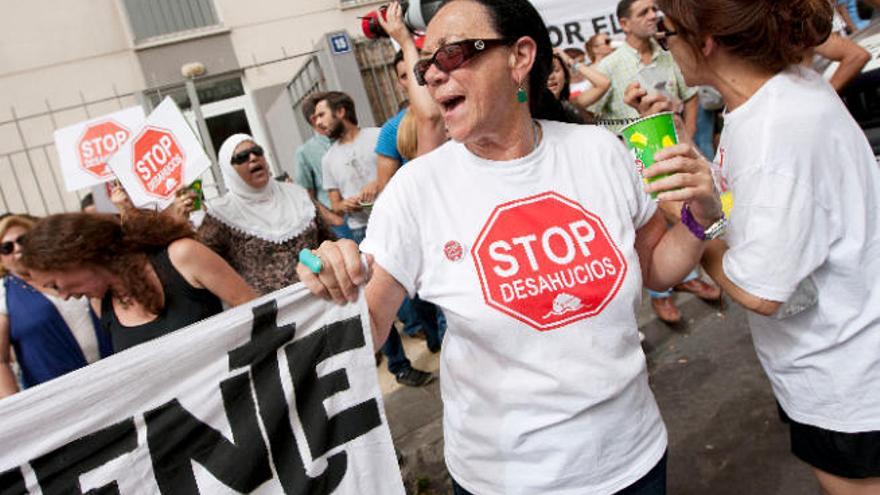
(184, 305)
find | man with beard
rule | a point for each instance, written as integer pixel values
(349, 167)
(308, 171)
(349, 170)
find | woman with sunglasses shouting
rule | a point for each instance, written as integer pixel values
(534, 237)
(261, 224)
(802, 250)
(51, 335)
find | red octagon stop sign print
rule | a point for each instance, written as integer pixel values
(547, 261)
(98, 142)
(158, 162)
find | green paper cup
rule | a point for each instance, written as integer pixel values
(647, 136)
(197, 187)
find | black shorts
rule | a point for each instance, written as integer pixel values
(848, 455)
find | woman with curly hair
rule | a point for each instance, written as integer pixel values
(145, 274)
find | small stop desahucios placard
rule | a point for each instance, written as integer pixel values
(162, 156)
(85, 147)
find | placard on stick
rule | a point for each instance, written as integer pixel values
(85, 147)
(163, 156)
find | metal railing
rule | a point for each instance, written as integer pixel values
(309, 79)
(30, 174)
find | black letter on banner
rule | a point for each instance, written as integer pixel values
(572, 31)
(58, 471)
(325, 433)
(175, 436)
(12, 482)
(260, 354)
(599, 24)
(615, 26)
(555, 35)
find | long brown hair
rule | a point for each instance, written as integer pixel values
(116, 244)
(772, 34)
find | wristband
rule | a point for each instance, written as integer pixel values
(574, 66)
(714, 231)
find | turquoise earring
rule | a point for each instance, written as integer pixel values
(521, 95)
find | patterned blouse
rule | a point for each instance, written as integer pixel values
(265, 265)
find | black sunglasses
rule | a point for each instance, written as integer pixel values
(453, 55)
(243, 156)
(663, 34)
(8, 247)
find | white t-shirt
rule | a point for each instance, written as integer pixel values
(544, 382)
(351, 166)
(806, 213)
(75, 313)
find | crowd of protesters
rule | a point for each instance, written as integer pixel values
(494, 114)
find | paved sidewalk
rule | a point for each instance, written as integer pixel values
(724, 433)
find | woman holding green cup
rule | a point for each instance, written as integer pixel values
(802, 249)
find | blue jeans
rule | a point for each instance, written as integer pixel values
(668, 293)
(393, 350)
(357, 235)
(341, 231)
(704, 138)
(653, 483)
(417, 314)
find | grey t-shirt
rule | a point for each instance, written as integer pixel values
(349, 167)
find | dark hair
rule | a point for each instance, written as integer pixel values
(309, 103)
(624, 9)
(336, 100)
(121, 246)
(772, 34)
(513, 19)
(86, 201)
(565, 94)
(398, 58)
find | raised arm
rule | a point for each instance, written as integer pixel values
(429, 121)
(598, 79)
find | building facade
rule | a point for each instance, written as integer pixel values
(64, 61)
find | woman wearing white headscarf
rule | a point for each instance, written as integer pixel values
(261, 224)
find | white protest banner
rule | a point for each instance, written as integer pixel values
(276, 396)
(85, 147)
(163, 155)
(572, 22)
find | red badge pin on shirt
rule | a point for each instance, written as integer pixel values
(453, 251)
